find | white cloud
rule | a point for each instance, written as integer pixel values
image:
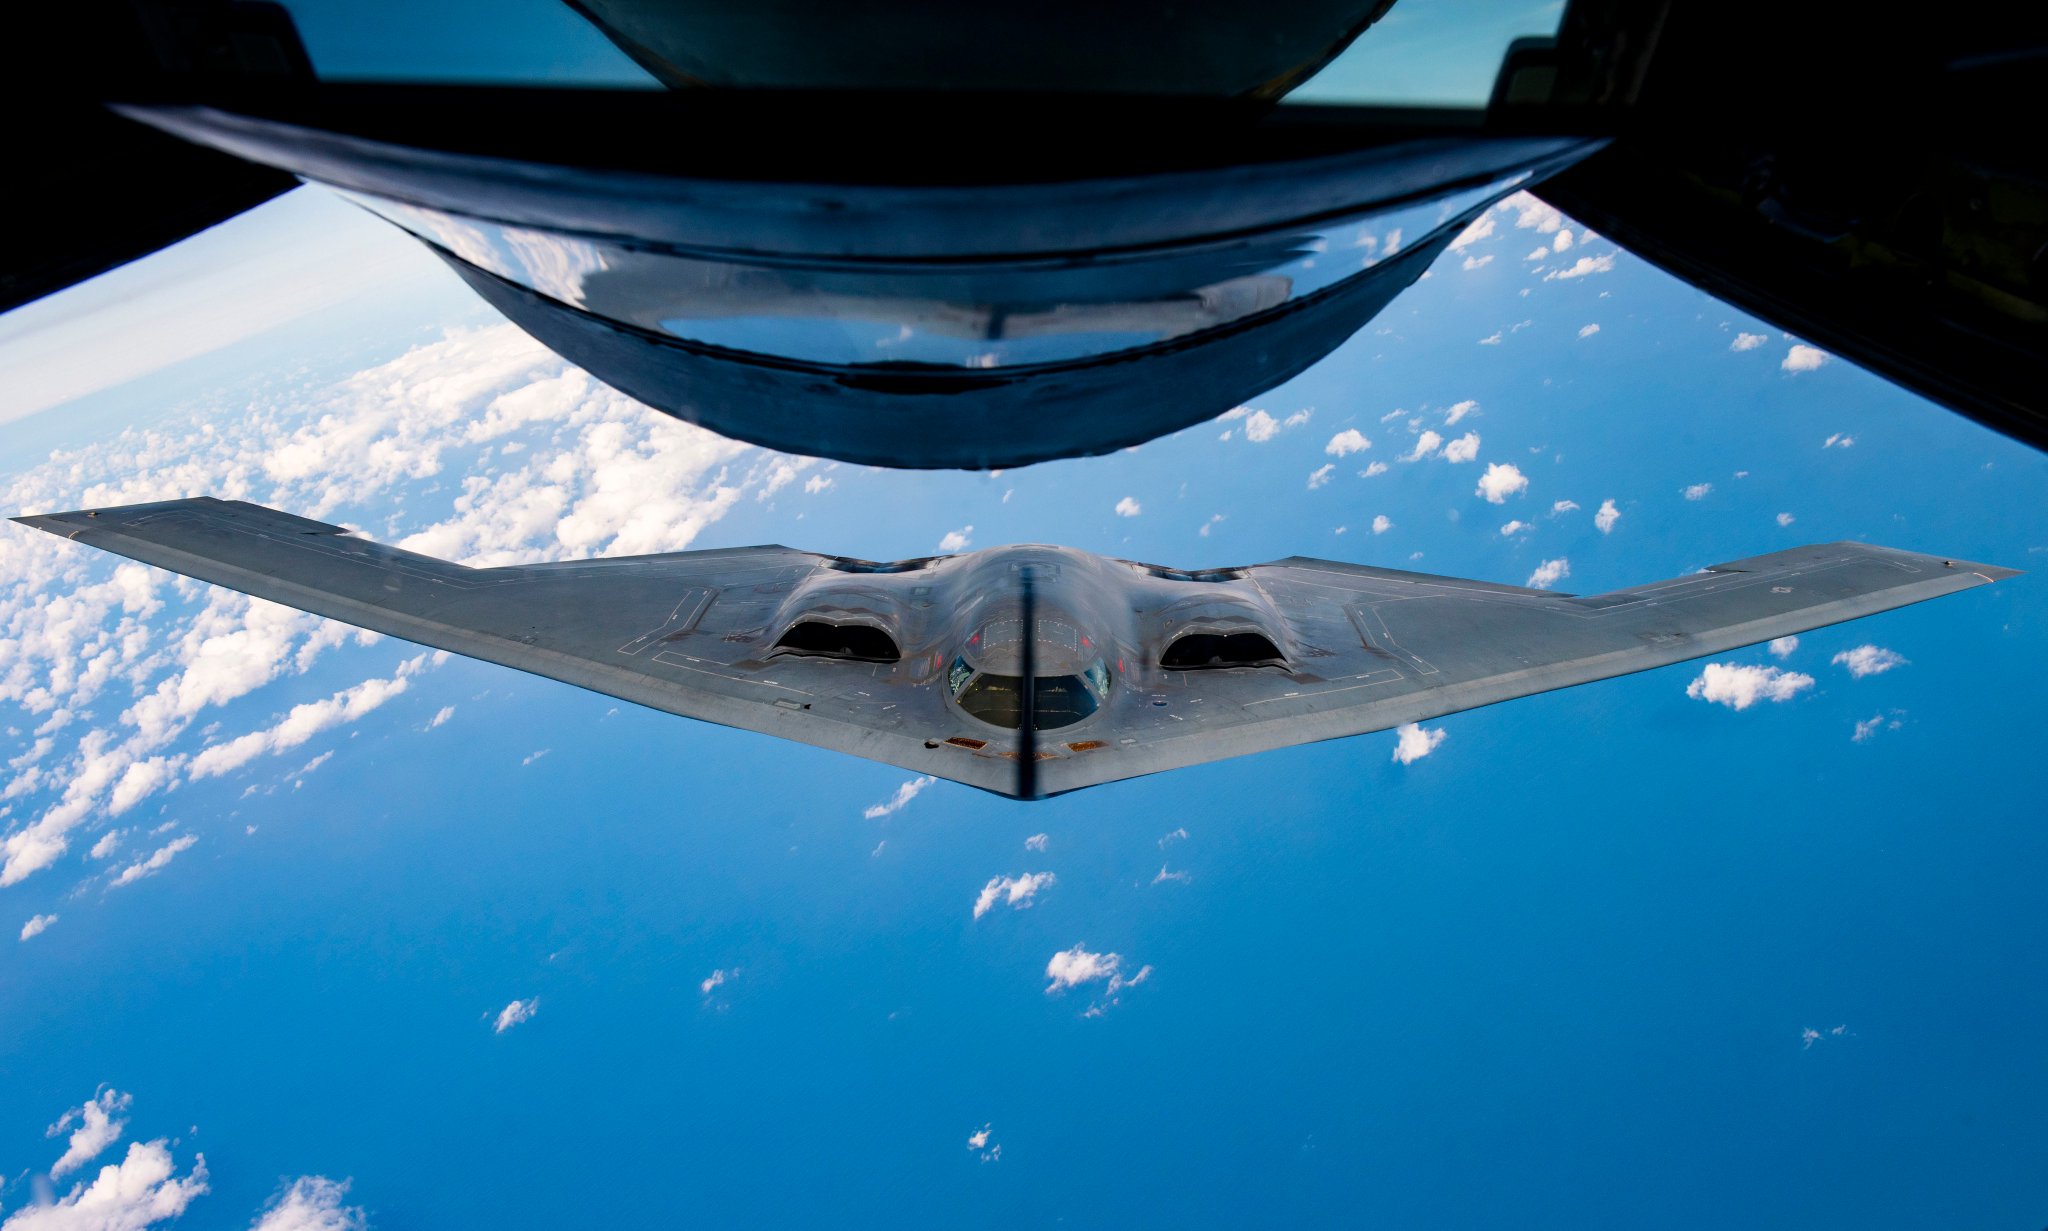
(312, 1203)
(105, 846)
(1533, 214)
(1562, 241)
(1588, 331)
(1299, 417)
(717, 979)
(1129, 507)
(1479, 230)
(1491, 339)
(440, 716)
(1747, 341)
(978, 1139)
(140, 1191)
(1382, 523)
(1561, 507)
(1549, 573)
(1463, 449)
(1214, 520)
(515, 1013)
(1783, 647)
(1458, 411)
(956, 540)
(1376, 468)
(816, 483)
(533, 756)
(1699, 491)
(1476, 262)
(157, 861)
(301, 724)
(1347, 442)
(1073, 967)
(904, 794)
(37, 925)
(1867, 728)
(1501, 480)
(1582, 267)
(1515, 527)
(1015, 891)
(1540, 253)
(1261, 427)
(1786, 519)
(1838, 441)
(1868, 660)
(594, 472)
(1606, 517)
(1425, 444)
(1321, 475)
(1802, 358)
(1413, 742)
(1037, 842)
(1738, 687)
(99, 1126)
(1176, 834)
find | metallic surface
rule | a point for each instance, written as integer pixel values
(696, 633)
(1038, 308)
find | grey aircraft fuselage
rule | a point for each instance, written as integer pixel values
(1029, 670)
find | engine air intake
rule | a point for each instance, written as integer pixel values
(861, 642)
(1199, 651)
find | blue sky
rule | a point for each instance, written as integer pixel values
(1593, 955)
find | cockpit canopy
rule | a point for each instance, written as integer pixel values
(1070, 683)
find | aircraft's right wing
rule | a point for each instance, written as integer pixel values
(683, 632)
(1377, 648)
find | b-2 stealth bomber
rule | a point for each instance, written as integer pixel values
(1027, 671)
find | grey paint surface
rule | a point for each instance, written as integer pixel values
(694, 633)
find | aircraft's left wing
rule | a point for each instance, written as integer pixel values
(681, 632)
(1376, 648)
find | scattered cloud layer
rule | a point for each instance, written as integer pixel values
(480, 446)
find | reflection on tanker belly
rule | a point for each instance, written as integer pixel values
(1071, 354)
(973, 315)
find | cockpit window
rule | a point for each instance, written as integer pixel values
(1057, 700)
